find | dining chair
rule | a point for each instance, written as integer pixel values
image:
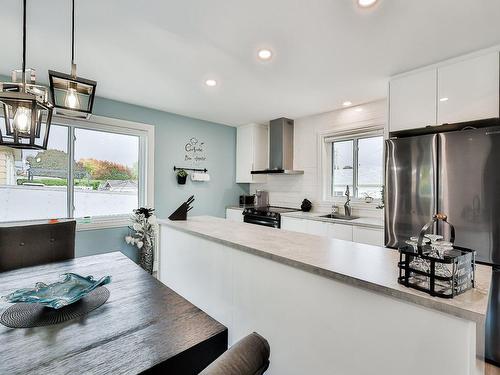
(249, 356)
(31, 245)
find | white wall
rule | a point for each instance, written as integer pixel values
(290, 190)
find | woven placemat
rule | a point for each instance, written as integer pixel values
(28, 315)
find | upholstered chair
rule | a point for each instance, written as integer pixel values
(31, 245)
(249, 356)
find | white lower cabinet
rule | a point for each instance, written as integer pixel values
(234, 214)
(319, 228)
(293, 224)
(369, 236)
(346, 232)
(340, 231)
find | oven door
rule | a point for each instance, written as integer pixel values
(262, 220)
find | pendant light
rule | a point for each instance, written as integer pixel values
(72, 95)
(26, 111)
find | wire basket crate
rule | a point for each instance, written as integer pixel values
(434, 266)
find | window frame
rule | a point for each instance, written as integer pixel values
(325, 169)
(145, 132)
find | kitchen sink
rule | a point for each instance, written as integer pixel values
(340, 217)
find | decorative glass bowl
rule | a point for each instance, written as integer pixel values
(59, 294)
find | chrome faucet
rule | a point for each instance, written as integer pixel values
(347, 206)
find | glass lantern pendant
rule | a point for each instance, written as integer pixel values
(25, 111)
(72, 95)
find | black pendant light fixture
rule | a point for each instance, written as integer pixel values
(72, 95)
(26, 111)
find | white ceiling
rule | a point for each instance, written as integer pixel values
(158, 53)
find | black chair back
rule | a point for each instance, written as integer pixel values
(249, 356)
(31, 245)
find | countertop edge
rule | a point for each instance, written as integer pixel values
(422, 301)
(317, 217)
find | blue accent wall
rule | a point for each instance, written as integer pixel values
(172, 132)
(91, 242)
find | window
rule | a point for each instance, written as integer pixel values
(357, 162)
(105, 173)
(89, 169)
(34, 184)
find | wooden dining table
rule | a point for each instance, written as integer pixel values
(144, 327)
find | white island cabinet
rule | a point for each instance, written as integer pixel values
(326, 306)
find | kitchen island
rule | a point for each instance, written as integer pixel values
(326, 306)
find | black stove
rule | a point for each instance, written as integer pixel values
(269, 216)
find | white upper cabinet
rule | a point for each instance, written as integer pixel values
(413, 101)
(252, 149)
(469, 90)
(451, 92)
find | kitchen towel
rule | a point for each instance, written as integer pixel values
(200, 177)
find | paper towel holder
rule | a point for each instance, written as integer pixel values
(205, 170)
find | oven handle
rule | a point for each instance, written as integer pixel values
(254, 220)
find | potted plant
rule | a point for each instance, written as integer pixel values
(181, 176)
(368, 198)
(143, 235)
(382, 199)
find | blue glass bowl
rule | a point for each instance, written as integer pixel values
(59, 294)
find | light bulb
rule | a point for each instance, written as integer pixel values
(71, 100)
(211, 82)
(265, 54)
(366, 3)
(22, 120)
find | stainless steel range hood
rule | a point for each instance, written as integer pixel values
(280, 148)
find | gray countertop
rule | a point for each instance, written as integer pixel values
(365, 266)
(369, 222)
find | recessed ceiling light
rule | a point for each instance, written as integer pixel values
(265, 54)
(366, 3)
(359, 109)
(211, 82)
(347, 103)
(443, 99)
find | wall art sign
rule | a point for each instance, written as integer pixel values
(195, 151)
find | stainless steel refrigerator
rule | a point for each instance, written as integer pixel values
(456, 173)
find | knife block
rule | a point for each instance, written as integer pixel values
(180, 213)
